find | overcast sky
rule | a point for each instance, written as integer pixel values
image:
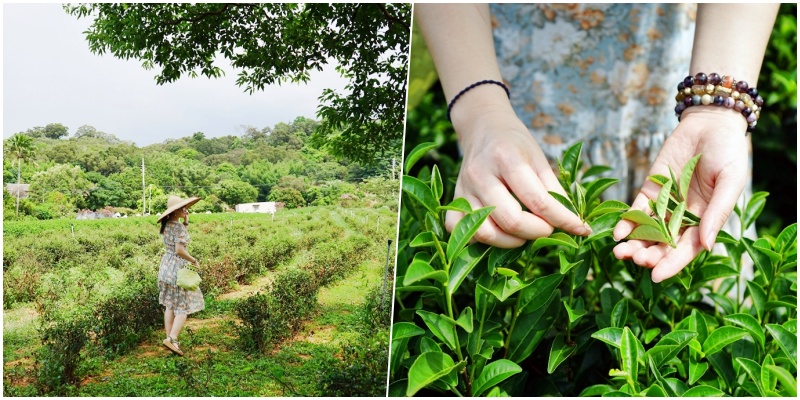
(49, 75)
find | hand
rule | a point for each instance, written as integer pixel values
(501, 158)
(719, 178)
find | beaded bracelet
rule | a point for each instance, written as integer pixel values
(470, 87)
(703, 89)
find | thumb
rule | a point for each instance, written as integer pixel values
(719, 208)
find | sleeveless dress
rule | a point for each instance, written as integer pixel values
(181, 301)
(603, 74)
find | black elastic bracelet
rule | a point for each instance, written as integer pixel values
(468, 88)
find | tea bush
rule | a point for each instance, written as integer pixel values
(376, 312)
(562, 316)
(361, 371)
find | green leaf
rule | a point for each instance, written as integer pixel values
(556, 239)
(499, 257)
(424, 239)
(596, 390)
(596, 188)
(566, 266)
(640, 217)
(768, 380)
(759, 298)
(629, 350)
(493, 374)
(791, 305)
(571, 160)
(660, 379)
(417, 153)
(506, 272)
(619, 315)
(785, 378)
(725, 238)
(670, 345)
(753, 370)
(430, 367)
(405, 330)
(502, 289)
(655, 390)
(420, 270)
(659, 179)
(464, 264)
(464, 230)
(686, 176)
(535, 295)
(420, 192)
(531, 328)
(764, 247)
(675, 221)
(651, 334)
(696, 371)
(460, 204)
(559, 352)
(786, 239)
(602, 226)
(596, 170)
(722, 337)
(436, 183)
(573, 315)
(749, 323)
(465, 320)
(663, 200)
(607, 207)
(786, 341)
(564, 201)
(442, 327)
(611, 336)
(703, 391)
(754, 208)
(710, 272)
(646, 232)
(427, 344)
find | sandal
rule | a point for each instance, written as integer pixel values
(172, 345)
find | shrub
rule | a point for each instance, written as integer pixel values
(63, 339)
(362, 370)
(376, 312)
(257, 322)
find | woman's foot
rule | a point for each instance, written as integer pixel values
(173, 344)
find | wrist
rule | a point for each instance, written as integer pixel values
(717, 113)
(477, 107)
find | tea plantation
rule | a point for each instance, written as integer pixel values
(294, 306)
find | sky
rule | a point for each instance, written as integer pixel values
(50, 76)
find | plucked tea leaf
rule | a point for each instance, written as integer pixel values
(659, 179)
(460, 204)
(493, 374)
(559, 352)
(722, 337)
(640, 217)
(418, 153)
(420, 192)
(686, 176)
(464, 230)
(430, 367)
(663, 200)
(749, 323)
(786, 341)
(647, 232)
(675, 221)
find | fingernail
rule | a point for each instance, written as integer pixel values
(584, 230)
(710, 239)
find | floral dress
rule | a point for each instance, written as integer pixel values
(181, 301)
(603, 74)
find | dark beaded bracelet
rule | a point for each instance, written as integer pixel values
(727, 92)
(470, 87)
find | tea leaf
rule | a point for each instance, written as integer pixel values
(430, 367)
(760, 259)
(596, 390)
(465, 319)
(573, 315)
(559, 352)
(498, 256)
(785, 378)
(663, 200)
(640, 217)
(647, 232)
(722, 337)
(754, 208)
(564, 265)
(420, 270)
(726, 238)
(506, 272)
(686, 176)
(493, 374)
(420, 192)
(619, 315)
(675, 192)
(659, 179)
(463, 265)
(611, 336)
(710, 272)
(607, 207)
(651, 334)
(763, 246)
(534, 296)
(502, 289)
(556, 239)
(768, 380)
(754, 371)
(417, 153)
(427, 344)
(564, 201)
(464, 230)
(602, 227)
(703, 391)
(531, 328)
(571, 160)
(629, 350)
(675, 221)
(436, 183)
(441, 327)
(696, 371)
(759, 298)
(460, 204)
(596, 188)
(405, 330)
(424, 239)
(749, 323)
(664, 383)
(786, 239)
(786, 341)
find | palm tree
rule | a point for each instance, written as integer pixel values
(20, 146)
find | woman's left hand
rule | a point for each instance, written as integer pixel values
(719, 178)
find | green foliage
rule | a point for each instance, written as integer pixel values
(368, 41)
(376, 312)
(236, 192)
(562, 316)
(361, 371)
(288, 196)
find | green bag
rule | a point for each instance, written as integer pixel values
(188, 279)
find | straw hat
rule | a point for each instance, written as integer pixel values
(176, 203)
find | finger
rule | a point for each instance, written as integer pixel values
(531, 191)
(488, 232)
(719, 208)
(508, 214)
(625, 227)
(650, 256)
(676, 259)
(626, 250)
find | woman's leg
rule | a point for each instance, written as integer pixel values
(177, 325)
(169, 317)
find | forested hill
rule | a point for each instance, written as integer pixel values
(95, 170)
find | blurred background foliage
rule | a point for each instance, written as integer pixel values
(774, 140)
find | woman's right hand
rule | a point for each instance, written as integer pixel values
(502, 160)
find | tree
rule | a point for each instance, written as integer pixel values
(67, 180)
(235, 192)
(275, 43)
(20, 147)
(290, 197)
(55, 131)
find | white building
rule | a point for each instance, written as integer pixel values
(264, 207)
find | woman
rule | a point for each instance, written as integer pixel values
(600, 74)
(179, 302)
